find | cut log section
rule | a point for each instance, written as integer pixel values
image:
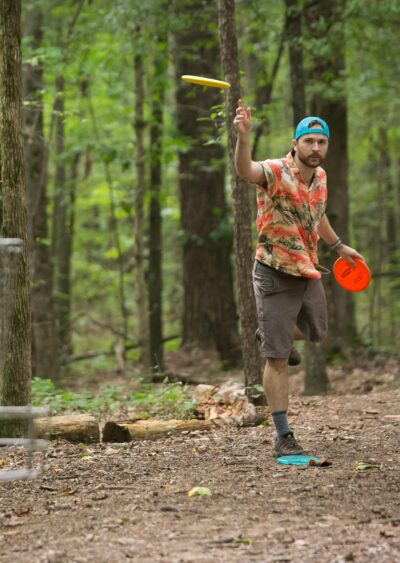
(150, 429)
(73, 428)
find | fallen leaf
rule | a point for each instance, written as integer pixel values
(320, 463)
(244, 541)
(200, 491)
(5, 461)
(361, 466)
(66, 491)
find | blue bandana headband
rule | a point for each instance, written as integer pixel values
(304, 128)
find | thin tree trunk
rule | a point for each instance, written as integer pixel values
(315, 381)
(143, 330)
(61, 235)
(155, 280)
(390, 237)
(240, 199)
(209, 317)
(16, 383)
(45, 347)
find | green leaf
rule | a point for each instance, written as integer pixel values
(200, 491)
(361, 466)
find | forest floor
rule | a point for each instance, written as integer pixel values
(116, 502)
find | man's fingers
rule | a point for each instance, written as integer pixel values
(351, 255)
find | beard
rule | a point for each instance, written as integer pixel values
(312, 161)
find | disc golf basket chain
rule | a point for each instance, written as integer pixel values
(10, 254)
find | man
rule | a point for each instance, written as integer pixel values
(290, 299)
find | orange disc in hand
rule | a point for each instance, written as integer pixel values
(355, 278)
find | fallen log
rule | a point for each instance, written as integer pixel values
(73, 428)
(150, 429)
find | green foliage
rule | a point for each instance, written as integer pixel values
(96, 61)
(169, 400)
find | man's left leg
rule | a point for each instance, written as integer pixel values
(294, 358)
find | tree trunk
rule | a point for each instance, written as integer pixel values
(209, 317)
(150, 429)
(143, 335)
(16, 383)
(316, 380)
(155, 280)
(316, 377)
(390, 234)
(324, 26)
(240, 200)
(73, 428)
(45, 348)
(61, 233)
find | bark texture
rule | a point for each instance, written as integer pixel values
(155, 278)
(16, 384)
(140, 281)
(73, 428)
(62, 228)
(241, 205)
(150, 429)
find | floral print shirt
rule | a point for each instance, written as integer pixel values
(289, 212)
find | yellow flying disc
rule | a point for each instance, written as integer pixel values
(202, 81)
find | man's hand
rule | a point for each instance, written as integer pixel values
(242, 121)
(246, 168)
(349, 254)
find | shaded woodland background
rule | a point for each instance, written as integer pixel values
(129, 200)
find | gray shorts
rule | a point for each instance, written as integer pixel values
(284, 301)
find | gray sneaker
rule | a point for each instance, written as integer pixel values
(287, 445)
(294, 358)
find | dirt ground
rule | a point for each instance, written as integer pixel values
(117, 502)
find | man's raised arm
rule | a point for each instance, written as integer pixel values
(246, 168)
